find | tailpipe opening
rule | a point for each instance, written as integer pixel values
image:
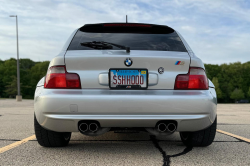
(161, 127)
(83, 127)
(166, 126)
(93, 127)
(171, 127)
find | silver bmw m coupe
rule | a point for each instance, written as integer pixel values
(125, 77)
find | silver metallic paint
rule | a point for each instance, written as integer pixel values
(124, 108)
(90, 63)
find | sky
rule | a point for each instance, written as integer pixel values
(218, 31)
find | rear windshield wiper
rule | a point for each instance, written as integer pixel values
(104, 45)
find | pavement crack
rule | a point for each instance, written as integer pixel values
(241, 140)
(230, 124)
(229, 141)
(166, 158)
(16, 114)
(185, 151)
(10, 140)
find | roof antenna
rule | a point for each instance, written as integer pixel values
(126, 19)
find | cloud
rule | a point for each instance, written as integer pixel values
(217, 31)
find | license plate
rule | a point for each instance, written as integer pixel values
(128, 78)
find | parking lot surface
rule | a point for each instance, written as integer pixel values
(16, 125)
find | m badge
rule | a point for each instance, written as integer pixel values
(179, 62)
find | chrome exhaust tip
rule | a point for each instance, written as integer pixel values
(93, 127)
(83, 127)
(162, 127)
(171, 127)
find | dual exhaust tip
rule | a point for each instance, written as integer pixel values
(93, 127)
(169, 127)
(84, 127)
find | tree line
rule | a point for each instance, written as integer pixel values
(30, 73)
(232, 81)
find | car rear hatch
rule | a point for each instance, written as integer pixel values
(155, 49)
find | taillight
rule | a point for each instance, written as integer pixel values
(57, 77)
(195, 79)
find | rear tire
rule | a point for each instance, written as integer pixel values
(49, 138)
(200, 138)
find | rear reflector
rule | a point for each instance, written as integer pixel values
(195, 79)
(57, 77)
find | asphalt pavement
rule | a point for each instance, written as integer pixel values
(16, 124)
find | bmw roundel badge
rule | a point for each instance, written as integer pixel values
(161, 70)
(128, 62)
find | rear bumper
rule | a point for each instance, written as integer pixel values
(61, 110)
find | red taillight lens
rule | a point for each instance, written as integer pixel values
(181, 82)
(195, 79)
(57, 77)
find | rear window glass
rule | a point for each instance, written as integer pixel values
(136, 41)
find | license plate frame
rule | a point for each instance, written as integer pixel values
(126, 87)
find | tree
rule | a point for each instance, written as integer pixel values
(217, 89)
(7, 69)
(30, 73)
(237, 94)
(26, 64)
(11, 87)
(2, 86)
(37, 72)
(248, 93)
